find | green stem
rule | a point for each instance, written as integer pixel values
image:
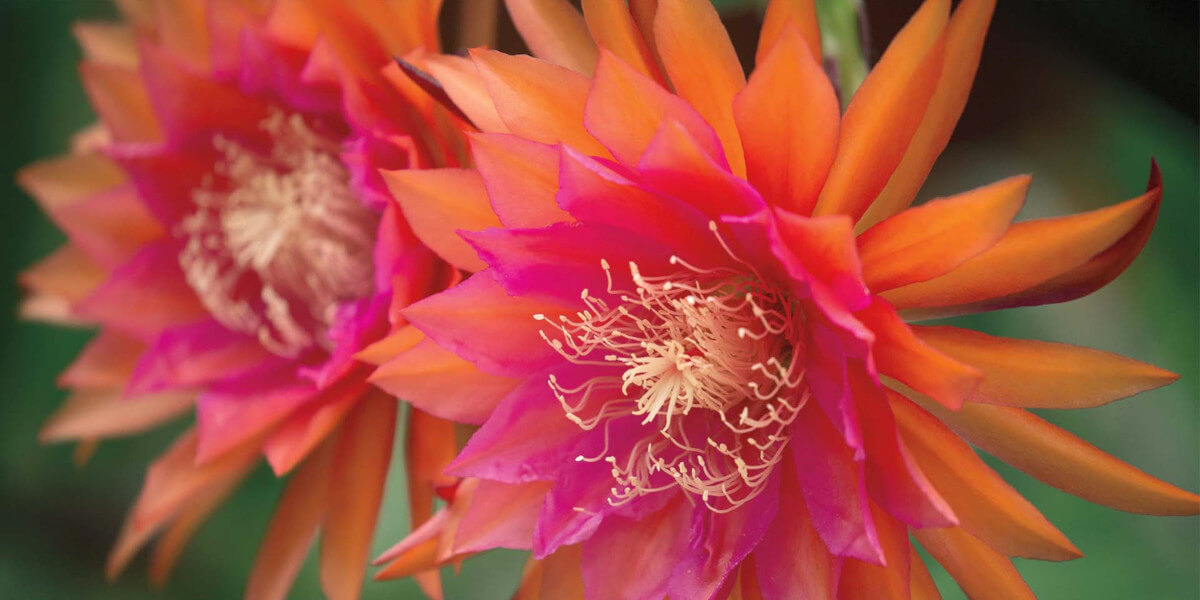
(842, 43)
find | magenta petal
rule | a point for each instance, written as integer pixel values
(792, 562)
(145, 296)
(631, 560)
(501, 515)
(236, 410)
(575, 506)
(164, 177)
(481, 322)
(826, 247)
(724, 540)
(527, 438)
(194, 354)
(676, 165)
(834, 488)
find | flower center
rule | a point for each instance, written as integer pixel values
(706, 363)
(278, 238)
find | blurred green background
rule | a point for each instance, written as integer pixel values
(1080, 94)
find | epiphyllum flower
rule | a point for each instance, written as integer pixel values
(230, 236)
(687, 349)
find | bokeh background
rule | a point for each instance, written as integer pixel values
(1080, 93)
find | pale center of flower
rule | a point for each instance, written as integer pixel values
(278, 238)
(703, 363)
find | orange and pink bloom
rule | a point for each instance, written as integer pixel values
(687, 337)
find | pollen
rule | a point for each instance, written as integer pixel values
(278, 239)
(704, 363)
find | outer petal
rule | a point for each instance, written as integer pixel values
(788, 120)
(702, 65)
(119, 97)
(1034, 253)
(554, 31)
(982, 573)
(889, 581)
(885, 112)
(462, 81)
(612, 26)
(986, 506)
(783, 14)
(538, 100)
(521, 178)
(501, 515)
(440, 202)
(1064, 461)
(104, 363)
(930, 240)
(964, 45)
(145, 295)
(1033, 374)
(921, 585)
(104, 414)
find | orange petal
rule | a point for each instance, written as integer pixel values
(1058, 458)
(169, 547)
(521, 178)
(429, 446)
(67, 179)
(56, 283)
(531, 580)
(885, 113)
(109, 44)
(1033, 374)
(865, 581)
(105, 362)
(900, 354)
(400, 340)
(107, 414)
(538, 100)
(461, 80)
(562, 578)
(612, 26)
(119, 97)
(501, 515)
(702, 66)
(182, 27)
(440, 382)
(927, 241)
(986, 506)
(921, 585)
(981, 572)
(788, 119)
(440, 202)
(296, 437)
(1030, 253)
(554, 31)
(964, 45)
(360, 465)
(625, 109)
(292, 529)
(782, 14)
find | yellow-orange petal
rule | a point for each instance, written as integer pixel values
(921, 585)
(1031, 253)
(119, 97)
(703, 68)
(171, 543)
(107, 413)
(292, 529)
(1057, 457)
(530, 587)
(861, 580)
(360, 464)
(521, 178)
(964, 45)
(107, 44)
(538, 100)
(105, 363)
(930, 240)
(563, 576)
(182, 27)
(788, 116)
(440, 382)
(391, 345)
(801, 14)
(429, 445)
(439, 203)
(1034, 374)
(981, 572)
(612, 26)
(555, 31)
(885, 113)
(464, 85)
(64, 180)
(986, 506)
(900, 354)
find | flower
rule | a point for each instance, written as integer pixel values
(689, 348)
(231, 238)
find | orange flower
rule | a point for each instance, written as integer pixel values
(230, 236)
(687, 339)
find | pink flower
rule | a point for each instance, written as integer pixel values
(685, 345)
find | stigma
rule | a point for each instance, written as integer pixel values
(707, 366)
(277, 239)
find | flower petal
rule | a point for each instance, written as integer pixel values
(145, 295)
(440, 202)
(1058, 458)
(119, 97)
(702, 66)
(981, 572)
(792, 562)
(921, 585)
(104, 363)
(1034, 253)
(1033, 374)
(782, 15)
(554, 31)
(888, 581)
(885, 113)
(501, 515)
(985, 505)
(612, 26)
(461, 80)
(521, 178)
(788, 118)
(930, 240)
(106, 414)
(649, 547)
(194, 354)
(964, 45)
